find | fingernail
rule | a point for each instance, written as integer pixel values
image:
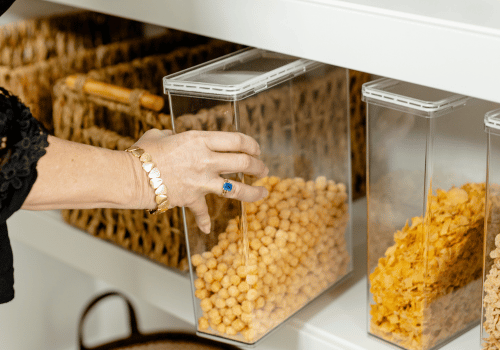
(206, 229)
(266, 193)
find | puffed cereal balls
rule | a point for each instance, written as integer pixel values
(206, 305)
(203, 323)
(234, 291)
(248, 285)
(196, 260)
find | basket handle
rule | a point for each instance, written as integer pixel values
(116, 93)
(134, 330)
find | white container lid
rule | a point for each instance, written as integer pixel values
(412, 98)
(492, 119)
(237, 76)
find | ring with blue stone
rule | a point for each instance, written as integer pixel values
(227, 187)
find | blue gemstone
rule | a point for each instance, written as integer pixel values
(227, 186)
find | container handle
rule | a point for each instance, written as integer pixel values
(134, 330)
(116, 93)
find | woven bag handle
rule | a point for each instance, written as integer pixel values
(134, 330)
(114, 92)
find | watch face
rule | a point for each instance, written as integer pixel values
(4, 5)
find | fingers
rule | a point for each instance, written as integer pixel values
(220, 141)
(240, 191)
(200, 211)
(230, 163)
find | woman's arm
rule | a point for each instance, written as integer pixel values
(77, 176)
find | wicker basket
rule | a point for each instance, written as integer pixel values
(35, 53)
(101, 121)
(358, 133)
(40, 39)
(82, 114)
(321, 98)
(138, 340)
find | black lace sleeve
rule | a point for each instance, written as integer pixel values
(22, 143)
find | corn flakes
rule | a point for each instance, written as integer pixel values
(432, 274)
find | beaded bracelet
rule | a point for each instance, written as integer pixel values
(154, 179)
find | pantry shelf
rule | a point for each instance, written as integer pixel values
(334, 321)
(448, 45)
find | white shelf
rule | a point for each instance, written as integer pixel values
(450, 45)
(48, 233)
(334, 321)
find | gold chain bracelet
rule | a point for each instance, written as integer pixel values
(154, 179)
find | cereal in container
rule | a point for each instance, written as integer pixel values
(426, 207)
(264, 261)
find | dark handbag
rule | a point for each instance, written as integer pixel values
(151, 341)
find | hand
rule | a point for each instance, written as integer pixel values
(191, 162)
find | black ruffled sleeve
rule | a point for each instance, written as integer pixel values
(22, 143)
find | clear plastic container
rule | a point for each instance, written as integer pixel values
(264, 261)
(491, 283)
(426, 165)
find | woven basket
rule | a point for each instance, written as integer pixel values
(85, 116)
(35, 53)
(324, 98)
(358, 132)
(138, 340)
(104, 122)
(37, 40)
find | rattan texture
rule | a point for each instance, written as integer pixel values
(358, 132)
(320, 137)
(35, 53)
(98, 121)
(101, 122)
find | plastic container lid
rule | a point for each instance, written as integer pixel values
(238, 75)
(492, 119)
(417, 99)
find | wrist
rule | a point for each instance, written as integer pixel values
(141, 195)
(154, 179)
(72, 175)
